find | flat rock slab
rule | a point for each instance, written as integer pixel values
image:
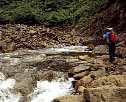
(101, 50)
(113, 80)
(81, 68)
(105, 94)
(67, 50)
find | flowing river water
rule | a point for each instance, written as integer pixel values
(45, 91)
(5, 90)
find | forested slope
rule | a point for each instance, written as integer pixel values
(50, 12)
(90, 17)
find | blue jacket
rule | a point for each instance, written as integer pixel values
(107, 35)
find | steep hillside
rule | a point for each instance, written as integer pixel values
(114, 16)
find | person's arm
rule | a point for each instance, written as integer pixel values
(107, 40)
(107, 36)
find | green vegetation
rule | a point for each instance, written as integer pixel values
(51, 12)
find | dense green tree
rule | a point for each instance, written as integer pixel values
(50, 12)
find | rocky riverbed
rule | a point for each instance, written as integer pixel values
(28, 67)
(31, 56)
(93, 74)
(97, 80)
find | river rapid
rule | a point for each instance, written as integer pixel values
(18, 68)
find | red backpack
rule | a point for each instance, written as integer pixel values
(113, 37)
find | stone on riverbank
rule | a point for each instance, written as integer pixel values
(81, 68)
(85, 57)
(113, 80)
(25, 83)
(87, 80)
(105, 94)
(80, 75)
(78, 69)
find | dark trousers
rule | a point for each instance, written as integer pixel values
(112, 51)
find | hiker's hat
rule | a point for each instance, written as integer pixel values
(110, 29)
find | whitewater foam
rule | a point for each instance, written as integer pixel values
(5, 87)
(47, 91)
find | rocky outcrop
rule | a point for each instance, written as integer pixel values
(100, 81)
(25, 83)
(112, 80)
(105, 94)
(87, 80)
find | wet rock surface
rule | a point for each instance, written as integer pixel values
(105, 94)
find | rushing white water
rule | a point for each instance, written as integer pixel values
(65, 49)
(5, 87)
(47, 91)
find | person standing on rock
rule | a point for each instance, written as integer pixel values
(110, 38)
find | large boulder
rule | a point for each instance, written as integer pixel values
(78, 69)
(105, 94)
(86, 81)
(118, 80)
(80, 89)
(85, 57)
(120, 51)
(25, 86)
(91, 46)
(25, 82)
(80, 75)
(81, 68)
